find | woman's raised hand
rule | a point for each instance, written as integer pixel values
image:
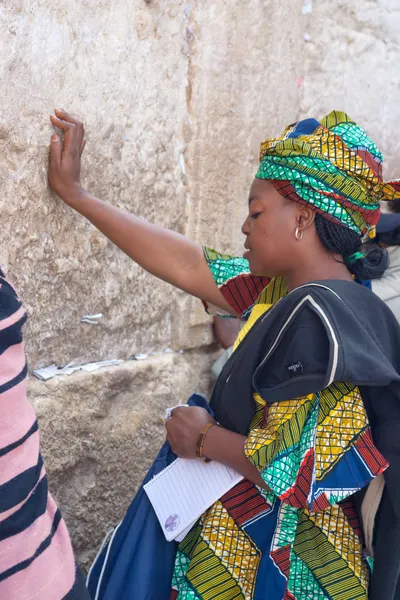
(65, 156)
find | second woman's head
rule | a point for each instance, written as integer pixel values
(316, 196)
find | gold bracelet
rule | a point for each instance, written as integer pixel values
(201, 440)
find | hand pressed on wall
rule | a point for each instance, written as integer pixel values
(65, 156)
(183, 429)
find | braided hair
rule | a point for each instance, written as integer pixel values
(373, 260)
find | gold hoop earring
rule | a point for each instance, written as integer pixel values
(298, 234)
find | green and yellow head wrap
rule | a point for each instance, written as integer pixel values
(334, 166)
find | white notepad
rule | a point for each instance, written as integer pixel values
(184, 490)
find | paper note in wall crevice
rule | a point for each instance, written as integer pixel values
(184, 490)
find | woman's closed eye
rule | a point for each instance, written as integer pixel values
(255, 215)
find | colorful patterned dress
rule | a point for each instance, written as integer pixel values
(301, 540)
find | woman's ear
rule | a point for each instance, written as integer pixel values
(306, 216)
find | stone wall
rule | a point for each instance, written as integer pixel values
(176, 97)
(351, 63)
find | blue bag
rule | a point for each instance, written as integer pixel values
(135, 560)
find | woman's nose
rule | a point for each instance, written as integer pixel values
(245, 227)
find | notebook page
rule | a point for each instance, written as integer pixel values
(185, 489)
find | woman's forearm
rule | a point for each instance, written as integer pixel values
(164, 253)
(227, 448)
(160, 251)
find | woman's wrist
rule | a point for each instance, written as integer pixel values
(201, 440)
(73, 195)
(228, 448)
(209, 444)
(217, 441)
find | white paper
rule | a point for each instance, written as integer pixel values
(141, 356)
(53, 371)
(92, 319)
(184, 490)
(168, 411)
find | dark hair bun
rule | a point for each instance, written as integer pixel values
(346, 242)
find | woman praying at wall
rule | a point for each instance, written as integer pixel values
(307, 408)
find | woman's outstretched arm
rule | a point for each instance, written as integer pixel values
(160, 251)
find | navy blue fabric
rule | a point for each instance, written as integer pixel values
(365, 282)
(40, 549)
(388, 222)
(305, 127)
(11, 447)
(139, 562)
(79, 591)
(14, 491)
(31, 510)
(17, 379)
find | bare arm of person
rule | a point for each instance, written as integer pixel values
(227, 447)
(220, 444)
(164, 253)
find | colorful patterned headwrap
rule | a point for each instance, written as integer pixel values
(334, 166)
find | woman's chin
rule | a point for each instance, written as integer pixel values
(252, 266)
(255, 269)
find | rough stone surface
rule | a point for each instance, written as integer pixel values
(121, 66)
(100, 433)
(244, 61)
(351, 64)
(176, 96)
(173, 94)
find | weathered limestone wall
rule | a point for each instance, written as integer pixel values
(352, 63)
(101, 431)
(176, 96)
